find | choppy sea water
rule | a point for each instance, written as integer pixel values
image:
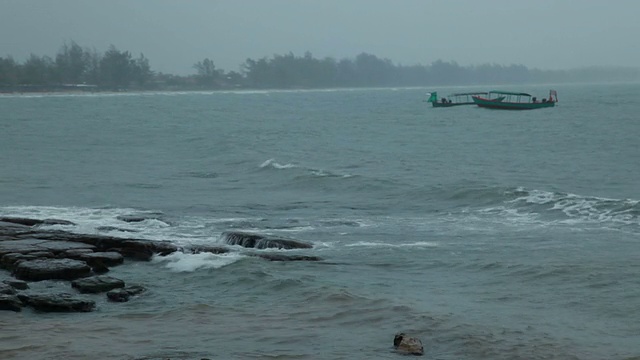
(487, 234)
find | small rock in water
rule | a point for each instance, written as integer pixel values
(123, 294)
(10, 302)
(97, 284)
(408, 344)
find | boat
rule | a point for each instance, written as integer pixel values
(507, 100)
(453, 99)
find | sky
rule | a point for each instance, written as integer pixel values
(175, 34)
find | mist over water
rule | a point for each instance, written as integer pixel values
(488, 234)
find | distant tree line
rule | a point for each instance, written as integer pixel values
(75, 66)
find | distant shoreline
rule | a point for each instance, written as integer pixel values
(87, 89)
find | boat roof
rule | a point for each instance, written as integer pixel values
(508, 93)
(470, 93)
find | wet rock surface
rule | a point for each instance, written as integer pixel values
(97, 284)
(62, 302)
(407, 345)
(46, 269)
(124, 294)
(32, 252)
(258, 241)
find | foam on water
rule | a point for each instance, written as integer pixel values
(182, 262)
(273, 164)
(578, 208)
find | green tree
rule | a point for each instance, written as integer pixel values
(141, 70)
(207, 75)
(92, 71)
(71, 63)
(37, 70)
(116, 68)
(9, 70)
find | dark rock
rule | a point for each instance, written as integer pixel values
(62, 246)
(113, 228)
(33, 222)
(134, 248)
(19, 246)
(131, 218)
(407, 344)
(30, 245)
(10, 302)
(75, 253)
(22, 221)
(7, 290)
(144, 249)
(107, 258)
(45, 269)
(123, 294)
(9, 230)
(17, 284)
(97, 284)
(98, 267)
(257, 241)
(57, 222)
(282, 257)
(57, 303)
(196, 249)
(9, 261)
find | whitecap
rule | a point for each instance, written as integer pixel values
(272, 163)
(181, 262)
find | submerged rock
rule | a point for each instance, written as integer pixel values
(196, 249)
(107, 258)
(10, 302)
(114, 228)
(57, 303)
(46, 269)
(16, 284)
(282, 257)
(97, 284)
(34, 222)
(34, 253)
(407, 344)
(256, 241)
(123, 294)
(7, 290)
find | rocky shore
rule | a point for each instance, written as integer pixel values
(30, 253)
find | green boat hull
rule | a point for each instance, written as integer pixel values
(504, 105)
(448, 104)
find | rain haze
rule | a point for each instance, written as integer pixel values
(174, 35)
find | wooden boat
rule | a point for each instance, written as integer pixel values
(507, 100)
(453, 99)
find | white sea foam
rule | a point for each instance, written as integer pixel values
(103, 221)
(272, 163)
(584, 209)
(181, 262)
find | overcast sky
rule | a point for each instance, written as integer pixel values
(174, 34)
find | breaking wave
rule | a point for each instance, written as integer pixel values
(577, 207)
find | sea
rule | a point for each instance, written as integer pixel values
(486, 234)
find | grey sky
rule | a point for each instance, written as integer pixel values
(174, 34)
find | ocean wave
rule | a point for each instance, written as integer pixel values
(273, 164)
(577, 207)
(119, 222)
(520, 206)
(183, 262)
